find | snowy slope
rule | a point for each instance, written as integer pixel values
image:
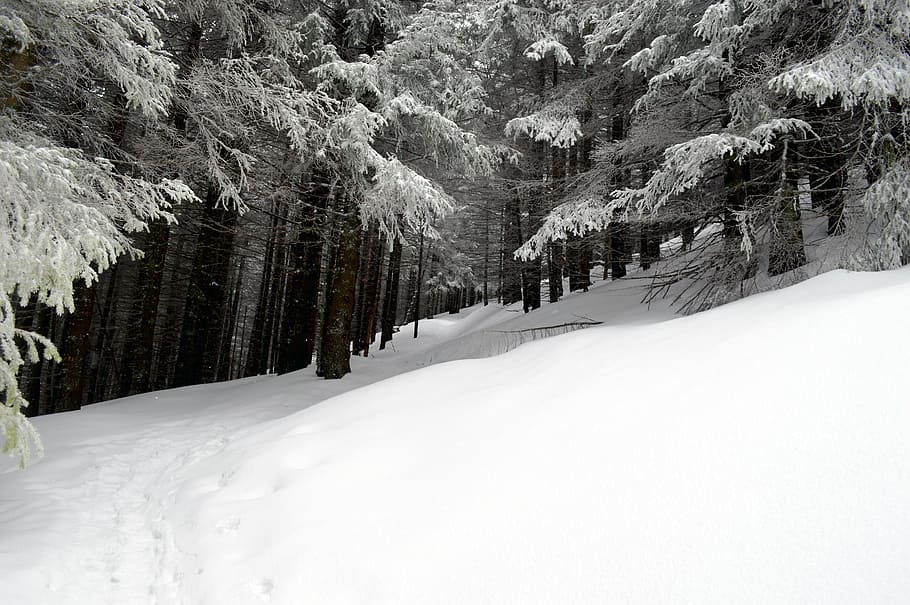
(756, 453)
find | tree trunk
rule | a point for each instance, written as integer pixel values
(373, 290)
(329, 260)
(787, 249)
(298, 339)
(390, 304)
(688, 236)
(554, 270)
(102, 349)
(649, 249)
(36, 317)
(151, 273)
(735, 177)
(336, 343)
(366, 250)
(207, 296)
(76, 348)
(486, 258)
(228, 333)
(418, 284)
(512, 278)
(257, 356)
(618, 234)
(579, 264)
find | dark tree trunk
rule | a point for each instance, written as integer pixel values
(298, 340)
(418, 281)
(617, 248)
(51, 386)
(336, 342)
(257, 357)
(787, 250)
(150, 276)
(102, 352)
(649, 249)
(618, 234)
(735, 177)
(124, 321)
(330, 258)
(486, 258)
(409, 295)
(366, 250)
(688, 236)
(76, 348)
(371, 297)
(367, 290)
(531, 277)
(579, 252)
(390, 304)
(501, 264)
(296, 345)
(532, 270)
(275, 304)
(578, 255)
(512, 278)
(454, 302)
(226, 352)
(554, 269)
(207, 297)
(35, 318)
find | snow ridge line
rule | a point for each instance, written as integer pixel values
(490, 343)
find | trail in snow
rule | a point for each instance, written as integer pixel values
(89, 520)
(100, 502)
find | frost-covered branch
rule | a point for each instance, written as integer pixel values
(63, 217)
(398, 191)
(556, 125)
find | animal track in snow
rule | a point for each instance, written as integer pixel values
(229, 525)
(263, 589)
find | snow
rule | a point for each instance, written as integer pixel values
(756, 453)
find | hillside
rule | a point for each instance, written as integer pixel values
(764, 461)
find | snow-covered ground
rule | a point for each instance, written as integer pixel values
(756, 453)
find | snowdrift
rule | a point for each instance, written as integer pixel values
(756, 453)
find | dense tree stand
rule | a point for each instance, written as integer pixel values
(207, 300)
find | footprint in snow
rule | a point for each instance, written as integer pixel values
(262, 588)
(228, 526)
(225, 478)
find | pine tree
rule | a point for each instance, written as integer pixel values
(67, 204)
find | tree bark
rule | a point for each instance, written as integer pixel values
(257, 356)
(207, 296)
(298, 340)
(75, 349)
(371, 299)
(336, 343)
(418, 283)
(512, 278)
(618, 234)
(787, 250)
(151, 274)
(390, 304)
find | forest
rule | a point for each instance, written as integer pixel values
(195, 191)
